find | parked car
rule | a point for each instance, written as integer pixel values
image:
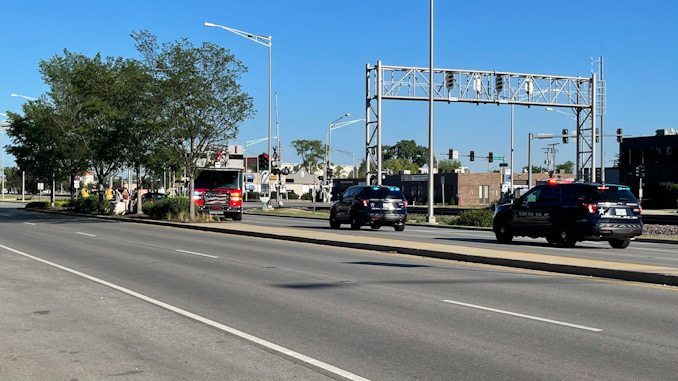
(565, 212)
(373, 205)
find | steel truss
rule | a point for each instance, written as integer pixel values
(384, 82)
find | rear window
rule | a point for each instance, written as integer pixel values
(382, 193)
(219, 179)
(609, 194)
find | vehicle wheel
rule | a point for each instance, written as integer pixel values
(375, 226)
(564, 237)
(551, 239)
(354, 223)
(502, 231)
(237, 217)
(620, 243)
(399, 227)
(334, 224)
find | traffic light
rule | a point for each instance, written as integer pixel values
(263, 161)
(330, 173)
(619, 135)
(472, 156)
(499, 83)
(449, 81)
(566, 136)
(450, 153)
(640, 171)
(490, 157)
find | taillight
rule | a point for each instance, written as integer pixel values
(640, 209)
(405, 203)
(592, 208)
(365, 202)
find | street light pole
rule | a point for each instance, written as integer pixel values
(266, 41)
(3, 128)
(430, 217)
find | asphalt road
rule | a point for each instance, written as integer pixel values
(648, 253)
(182, 304)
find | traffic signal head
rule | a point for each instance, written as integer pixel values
(263, 161)
(330, 173)
(449, 81)
(450, 153)
(490, 157)
(619, 135)
(566, 136)
(472, 156)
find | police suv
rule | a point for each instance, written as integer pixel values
(565, 212)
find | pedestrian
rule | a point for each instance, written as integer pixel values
(125, 197)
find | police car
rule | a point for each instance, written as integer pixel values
(566, 212)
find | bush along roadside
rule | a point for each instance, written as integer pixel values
(88, 205)
(175, 208)
(475, 217)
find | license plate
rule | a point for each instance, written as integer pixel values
(215, 208)
(620, 212)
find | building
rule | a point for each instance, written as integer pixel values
(658, 157)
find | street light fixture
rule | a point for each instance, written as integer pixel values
(266, 41)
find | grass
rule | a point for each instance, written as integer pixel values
(292, 212)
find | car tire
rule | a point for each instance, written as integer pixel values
(354, 223)
(334, 224)
(375, 226)
(399, 227)
(237, 217)
(502, 231)
(564, 237)
(620, 243)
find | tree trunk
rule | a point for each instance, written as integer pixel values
(140, 209)
(191, 203)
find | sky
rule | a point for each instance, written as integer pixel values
(320, 50)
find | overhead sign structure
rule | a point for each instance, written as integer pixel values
(385, 82)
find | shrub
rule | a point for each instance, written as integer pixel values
(169, 208)
(292, 196)
(37, 205)
(475, 217)
(88, 205)
(307, 196)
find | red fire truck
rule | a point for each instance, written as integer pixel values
(219, 185)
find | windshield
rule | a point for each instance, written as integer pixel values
(610, 194)
(382, 193)
(219, 179)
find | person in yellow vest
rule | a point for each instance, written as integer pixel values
(109, 194)
(84, 193)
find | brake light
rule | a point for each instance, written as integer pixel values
(552, 182)
(640, 209)
(365, 202)
(405, 203)
(591, 208)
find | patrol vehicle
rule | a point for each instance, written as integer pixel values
(566, 212)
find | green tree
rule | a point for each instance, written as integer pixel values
(398, 165)
(448, 166)
(203, 103)
(312, 153)
(567, 167)
(408, 150)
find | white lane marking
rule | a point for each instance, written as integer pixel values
(524, 316)
(29, 223)
(203, 255)
(190, 315)
(87, 234)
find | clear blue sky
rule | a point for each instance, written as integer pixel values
(321, 48)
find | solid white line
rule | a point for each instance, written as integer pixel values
(525, 316)
(29, 223)
(190, 315)
(87, 234)
(203, 255)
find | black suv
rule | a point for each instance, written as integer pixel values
(566, 212)
(373, 205)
